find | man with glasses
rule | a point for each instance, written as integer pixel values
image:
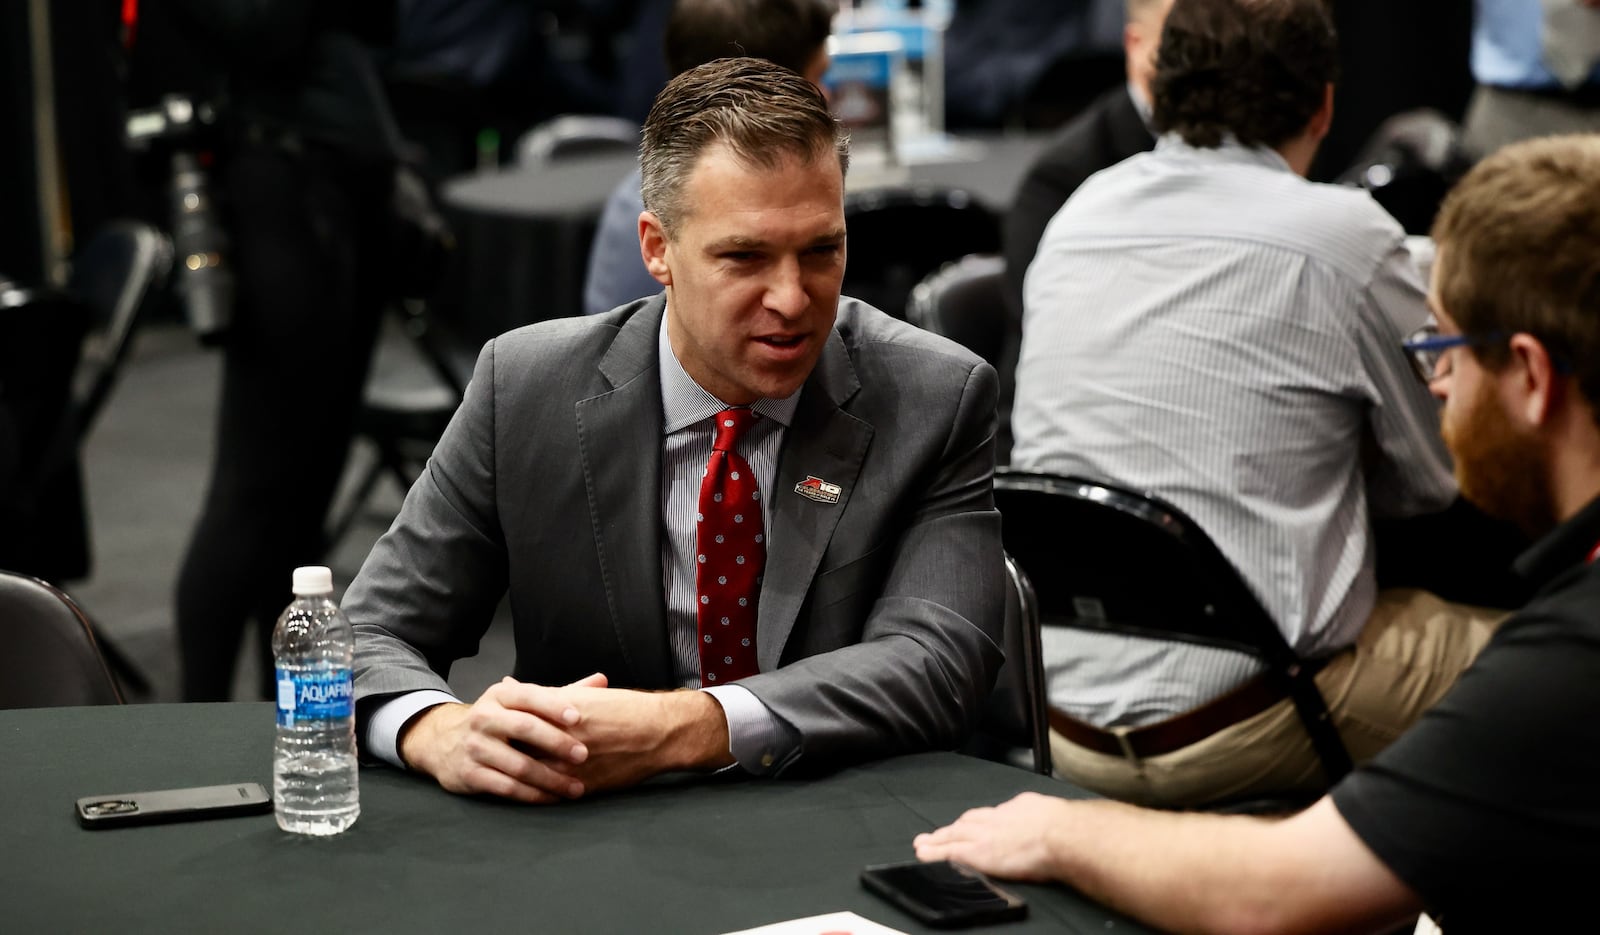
(1484, 810)
(1203, 323)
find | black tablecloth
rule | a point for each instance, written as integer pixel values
(705, 856)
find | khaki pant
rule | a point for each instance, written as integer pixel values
(1410, 653)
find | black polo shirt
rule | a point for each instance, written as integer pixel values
(1489, 807)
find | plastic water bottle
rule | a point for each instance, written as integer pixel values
(314, 759)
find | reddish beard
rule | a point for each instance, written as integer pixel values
(1498, 467)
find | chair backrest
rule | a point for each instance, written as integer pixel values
(574, 135)
(900, 235)
(1106, 558)
(51, 656)
(1408, 165)
(43, 524)
(1014, 721)
(966, 302)
(114, 275)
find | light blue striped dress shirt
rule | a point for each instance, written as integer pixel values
(1211, 327)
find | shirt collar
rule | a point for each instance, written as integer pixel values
(685, 402)
(1566, 545)
(1231, 151)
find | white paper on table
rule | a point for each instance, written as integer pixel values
(834, 923)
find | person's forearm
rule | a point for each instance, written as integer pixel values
(1192, 882)
(1203, 873)
(420, 735)
(695, 735)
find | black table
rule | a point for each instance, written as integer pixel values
(700, 857)
(524, 233)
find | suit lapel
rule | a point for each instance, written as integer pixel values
(619, 437)
(826, 442)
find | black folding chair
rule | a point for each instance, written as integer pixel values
(1106, 558)
(1014, 724)
(418, 378)
(576, 135)
(1409, 164)
(51, 655)
(900, 235)
(965, 301)
(115, 275)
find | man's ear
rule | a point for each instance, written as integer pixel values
(653, 247)
(1537, 385)
(1322, 120)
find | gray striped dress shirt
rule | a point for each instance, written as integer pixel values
(1211, 327)
(757, 738)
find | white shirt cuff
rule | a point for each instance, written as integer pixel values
(383, 728)
(756, 738)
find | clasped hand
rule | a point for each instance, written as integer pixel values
(542, 744)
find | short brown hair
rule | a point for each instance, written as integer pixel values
(1256, 69)
(1519, 251)
(790, 33)
(764, 113)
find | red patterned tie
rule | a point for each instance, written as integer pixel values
(730, 553)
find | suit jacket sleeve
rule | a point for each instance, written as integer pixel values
(427, 591)
(933, 588)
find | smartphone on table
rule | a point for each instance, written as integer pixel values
(944, 894)
(164, 805)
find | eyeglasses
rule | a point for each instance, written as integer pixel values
(1426, 348)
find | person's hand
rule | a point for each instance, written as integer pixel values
(506, 743)
(1012, 840)
(633, 735)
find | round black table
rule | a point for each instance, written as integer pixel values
(696, 856)
(524, 232)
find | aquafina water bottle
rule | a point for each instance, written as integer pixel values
(314, 759)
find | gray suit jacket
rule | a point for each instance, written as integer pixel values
(880, 615)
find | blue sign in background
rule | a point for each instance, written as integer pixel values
(910, 27)
(869, 68)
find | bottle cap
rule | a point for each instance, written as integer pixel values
(313, 579)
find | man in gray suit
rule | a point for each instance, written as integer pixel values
(578, 469)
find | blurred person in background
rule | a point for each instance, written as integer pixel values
(1114, 127)
(1537, 63)
(302, 171)
(469, 77)
(1010, 62)
(1204, 323)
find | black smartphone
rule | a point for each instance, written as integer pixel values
(944, 894)
(149, 808)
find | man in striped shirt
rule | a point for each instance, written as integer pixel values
(1203, 323)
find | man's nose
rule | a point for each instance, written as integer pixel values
(786, 291)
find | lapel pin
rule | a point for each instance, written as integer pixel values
(815, 488)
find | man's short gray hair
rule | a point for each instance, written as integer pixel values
(764, 113)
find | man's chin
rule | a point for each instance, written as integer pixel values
(778, 381)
